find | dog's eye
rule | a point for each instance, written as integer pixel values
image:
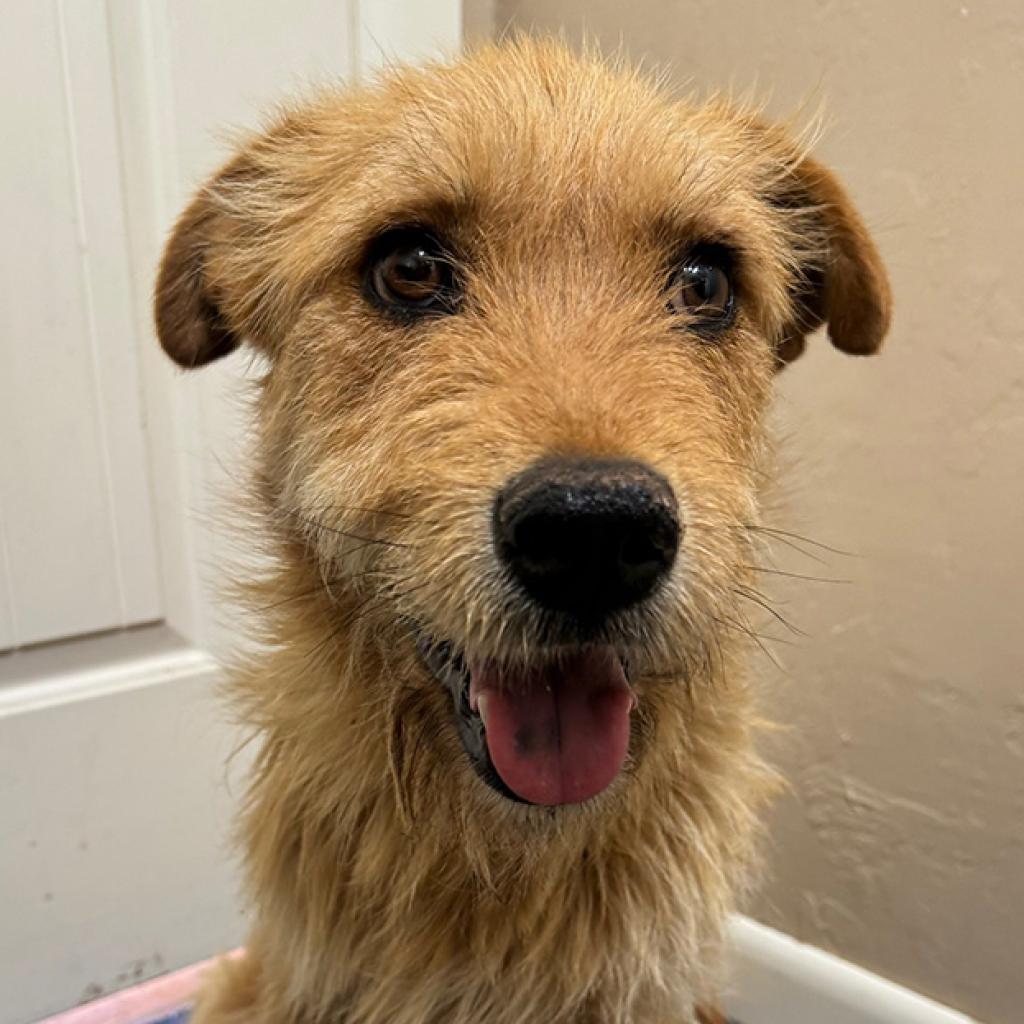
(701, 290)
(409, 272)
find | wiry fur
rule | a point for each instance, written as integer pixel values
(390, 885)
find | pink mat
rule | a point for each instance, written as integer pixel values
(161, 998)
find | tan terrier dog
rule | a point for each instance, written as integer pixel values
(520, 318)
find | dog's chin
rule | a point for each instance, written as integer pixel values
(551, 731)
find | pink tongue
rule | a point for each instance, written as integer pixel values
(559, 734)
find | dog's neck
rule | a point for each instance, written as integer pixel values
(388, 894)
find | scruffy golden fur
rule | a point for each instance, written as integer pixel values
(390, 885)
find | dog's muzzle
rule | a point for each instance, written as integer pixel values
(581, 540)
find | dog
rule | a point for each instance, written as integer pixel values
(519, 318)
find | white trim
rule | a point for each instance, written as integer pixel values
(104, 680)
(153, 192)
(89, 300)
(778, 980)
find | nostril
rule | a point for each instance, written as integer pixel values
(638, 550)
(653, 537)
(537, 541)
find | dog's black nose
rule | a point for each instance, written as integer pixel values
(587, 537)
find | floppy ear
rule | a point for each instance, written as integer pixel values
(190, 323)
(842, 281)
(221, 281)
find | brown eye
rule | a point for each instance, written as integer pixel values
(409, 272)
(700, 289)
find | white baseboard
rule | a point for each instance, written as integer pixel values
(777, 980)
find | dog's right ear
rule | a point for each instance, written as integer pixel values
(190, 323)
(255, 240)
(212, 288)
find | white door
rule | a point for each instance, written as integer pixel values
(117, 780)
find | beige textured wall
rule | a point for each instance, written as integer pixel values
(902, 844)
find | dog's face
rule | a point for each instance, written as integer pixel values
(521, 318)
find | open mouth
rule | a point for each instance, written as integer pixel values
(552, 733)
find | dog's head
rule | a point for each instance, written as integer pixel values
(521, 317)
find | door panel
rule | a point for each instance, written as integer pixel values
(114, 851)
(74, 488)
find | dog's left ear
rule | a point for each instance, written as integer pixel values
(842, 279)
